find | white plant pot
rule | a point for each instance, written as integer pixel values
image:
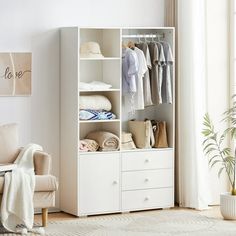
(228, 206)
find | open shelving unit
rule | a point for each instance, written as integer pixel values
(106, 182)
(108, 39)
(107, 70)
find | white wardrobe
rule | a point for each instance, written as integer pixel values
(119, 181)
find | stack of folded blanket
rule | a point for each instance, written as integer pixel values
(88, 145)
(88, 114)
(95, 107)
(106, 141)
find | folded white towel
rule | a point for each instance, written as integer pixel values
(94, 85)
(94, 102)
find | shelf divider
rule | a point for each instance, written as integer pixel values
(99, 59)
(98, 121)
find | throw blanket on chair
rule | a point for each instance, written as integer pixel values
(17, 200)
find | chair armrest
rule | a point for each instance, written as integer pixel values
(42, 163)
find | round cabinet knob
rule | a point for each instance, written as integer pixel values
(146, 198)
(115, 182)
(147, 179)
(147, 160)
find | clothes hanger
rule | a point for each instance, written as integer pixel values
(139, 40)
(158, 39)
(144, 38)
(131, 45)
(148, 41)
(151, 40)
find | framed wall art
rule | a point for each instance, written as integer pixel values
(15, 74)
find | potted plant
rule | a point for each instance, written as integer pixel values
(222, 156)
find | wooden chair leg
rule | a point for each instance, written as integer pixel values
(44, 216)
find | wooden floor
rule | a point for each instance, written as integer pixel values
(211, 212)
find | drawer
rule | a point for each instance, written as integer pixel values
(144, 160)
(147, 179)
(147, 199)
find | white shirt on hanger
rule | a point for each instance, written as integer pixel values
(138, 97)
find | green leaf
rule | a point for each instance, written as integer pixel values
(233, 133)
(233, 121)
(205, 141)
(229, 159)
(214, 137)
(215, 162)
(210, 150)
(206, 132)
(212, 158)
(207, 122)
(209, 145)
(229, 167)
(228, 130)
(220, 171)
(222, 137)
(226, 151)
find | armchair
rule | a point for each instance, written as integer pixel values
(45, 184)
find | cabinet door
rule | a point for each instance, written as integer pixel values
(99, 183)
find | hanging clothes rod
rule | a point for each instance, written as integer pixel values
(143, 35)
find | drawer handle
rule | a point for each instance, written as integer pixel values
(147, 179)
(146, 198)
(115, 182)
(146, 161)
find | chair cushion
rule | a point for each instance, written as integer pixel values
(8, 142)
(43, 183)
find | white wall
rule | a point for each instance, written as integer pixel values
(218, 75)
(31, 25)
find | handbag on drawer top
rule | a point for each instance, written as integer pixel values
(127, 142)
(160, 133)
(142, 133)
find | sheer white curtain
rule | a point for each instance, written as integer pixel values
(170, 10)
(192, 166)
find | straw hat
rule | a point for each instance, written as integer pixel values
(90, 49)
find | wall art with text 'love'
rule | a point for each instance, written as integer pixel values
(15, 74)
